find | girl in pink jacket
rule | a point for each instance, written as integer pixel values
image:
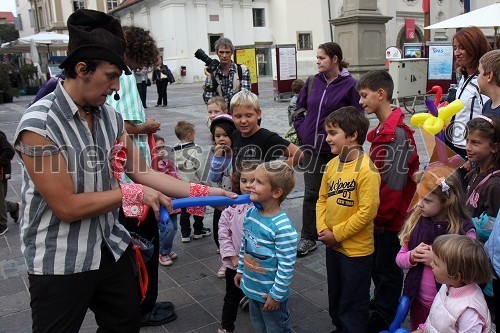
(230, 233)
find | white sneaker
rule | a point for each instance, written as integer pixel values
(221, 273)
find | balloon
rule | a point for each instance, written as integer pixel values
(439, 92)
(431, 106)
(433, 125)
(418, 119)
(401, 313)
(216, 200)
(450, 110)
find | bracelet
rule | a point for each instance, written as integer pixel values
(197, 190)
(132, 199)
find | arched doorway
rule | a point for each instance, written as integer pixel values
(401, 40)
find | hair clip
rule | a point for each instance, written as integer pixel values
(440, 181)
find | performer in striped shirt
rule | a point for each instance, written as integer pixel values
(268, 249)
(73, 148)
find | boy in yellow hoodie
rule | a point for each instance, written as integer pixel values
(347, 204)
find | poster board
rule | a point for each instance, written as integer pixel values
(440, 62)
(245, 55)
(284, 63)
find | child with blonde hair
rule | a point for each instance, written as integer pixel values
(459, 263)
(438, 209)
(215, 106)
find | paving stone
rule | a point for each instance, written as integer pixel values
(189, 318)
(189, 272)
(208, 287)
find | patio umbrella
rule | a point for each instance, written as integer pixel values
(46, 38)
(34, 52)
(486, 17)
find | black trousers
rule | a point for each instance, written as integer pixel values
(312, 182)
(59, 302)
(231, 301)
(387, 276)
(185, 222)
(215, 222)
(161, 88)
(149, 230)
(348, 291)
(143, 89)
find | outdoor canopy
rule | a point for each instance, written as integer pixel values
(486, 17)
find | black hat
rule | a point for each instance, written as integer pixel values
(95, 35)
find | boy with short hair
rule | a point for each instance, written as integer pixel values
(268, 249)
(394, 152)
(252, 142)
(347, 204)
(191, 166)
(489, 82)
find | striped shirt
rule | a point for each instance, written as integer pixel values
(49, 245)
(130, 107)
(267, 255)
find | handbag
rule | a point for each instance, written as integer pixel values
(148, 82)
(291, 135)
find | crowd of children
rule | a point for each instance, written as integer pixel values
(424, 222)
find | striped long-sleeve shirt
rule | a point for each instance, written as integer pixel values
(267, 255)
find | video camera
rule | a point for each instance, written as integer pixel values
(212, 64)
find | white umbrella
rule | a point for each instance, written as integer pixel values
(34, 52)
(47, 38)
(486, 17)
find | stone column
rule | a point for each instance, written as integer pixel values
(360, 31)
(175, 34)
(201, 24)
(247, 37)
(227, 17)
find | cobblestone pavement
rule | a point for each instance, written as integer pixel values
(191, 283)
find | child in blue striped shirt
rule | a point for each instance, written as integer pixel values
(268, 249)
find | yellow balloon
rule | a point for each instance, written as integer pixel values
(433, 125)
(448, 111)
(417, 120)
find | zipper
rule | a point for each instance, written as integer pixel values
(319, 114)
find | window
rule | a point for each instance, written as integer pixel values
(258, 17)
(304, 41)
(112, 4)
(20, 21)
(32, 18)
(77, 4)
(213, 18)
(212, 39)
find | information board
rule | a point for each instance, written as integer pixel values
(440, 62)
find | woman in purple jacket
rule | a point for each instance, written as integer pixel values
(333, 87)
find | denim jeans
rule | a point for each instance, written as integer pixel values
(269, 321)
(167, 234)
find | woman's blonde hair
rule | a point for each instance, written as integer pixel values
(435, 180)
(465, 258)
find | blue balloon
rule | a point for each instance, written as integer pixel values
(216, 200)
(402, 312)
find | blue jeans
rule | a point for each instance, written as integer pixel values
(269, 322)
(167, 234)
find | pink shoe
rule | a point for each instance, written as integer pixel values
(172, 255)
(221, 273)
(165, 260)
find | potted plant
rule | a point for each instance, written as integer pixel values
(9, 92)
(29, 78)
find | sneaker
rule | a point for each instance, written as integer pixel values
(165, 260)
(186, 239)
(3, 230)
(221, 330)
(305, 246)
(221, 273)
(15, 214)
(172, 255)
(244, 302)
(204, 232)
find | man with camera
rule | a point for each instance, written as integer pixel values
(227, 78)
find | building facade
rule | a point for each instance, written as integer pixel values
(180, 27)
